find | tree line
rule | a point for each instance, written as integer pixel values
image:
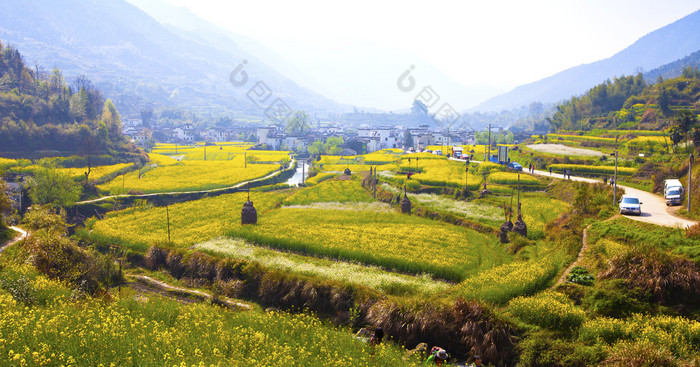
(41, 111)
(630, 102)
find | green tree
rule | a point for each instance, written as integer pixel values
(317, 147)
(407, 139)
(419, 108)
(78, 106)
(51, 186)
(685, 123)
(5, 203)
(298, 123)
(112, 119)
(675, 135)
(333, 145)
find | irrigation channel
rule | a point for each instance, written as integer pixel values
(301, 174)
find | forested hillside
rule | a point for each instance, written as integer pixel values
(629, 102)
(42, 114)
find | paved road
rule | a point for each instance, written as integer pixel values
(654, 209)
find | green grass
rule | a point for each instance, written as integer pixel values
(635, 233)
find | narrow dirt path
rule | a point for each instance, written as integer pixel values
(22, 235)
(147, 284)
(584, 247)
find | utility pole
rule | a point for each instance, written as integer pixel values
(167, 213)
(303, 172)
(374, 183)
(690, 176)
(120, 276)
(615, 187)
(205, 152)
(245, 159)
(488, 154)
(466, 177)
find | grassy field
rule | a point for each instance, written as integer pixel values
(389, 240)
(139, 330)
(630, 233)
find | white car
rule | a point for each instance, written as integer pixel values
(630, 205)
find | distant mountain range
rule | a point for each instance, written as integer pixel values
(136, 60)
(660, 47)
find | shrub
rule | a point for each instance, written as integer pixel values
(20, 289)
(544, 350)
(548, 310)
(640, 354)
(671, 280)
(174, 264)
(59, 257)
(580, 275)
(680, 336)
(614, 299)
(155, 258)
(693, 231)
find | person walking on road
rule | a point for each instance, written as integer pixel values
(550, 171)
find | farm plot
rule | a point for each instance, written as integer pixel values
(191, 222)
(188, 176)
(390, 240)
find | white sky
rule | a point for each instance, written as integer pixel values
(499, 44)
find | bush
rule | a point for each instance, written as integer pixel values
(543, 350)
(671, 280)
(678, 335)
(640, 354)
(580, 275)
(614, 299)
(155, 258)
(20, 289)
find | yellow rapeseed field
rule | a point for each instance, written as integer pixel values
(190, 222)
(390, 240)
(138, 330)
(189, 176)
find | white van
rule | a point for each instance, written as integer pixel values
(673, 192)
(672, 183)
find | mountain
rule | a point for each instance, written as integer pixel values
(135, 60)
(337, 73)
(673, 69)
(657, 48)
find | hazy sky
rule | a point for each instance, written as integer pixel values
(499, 44)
